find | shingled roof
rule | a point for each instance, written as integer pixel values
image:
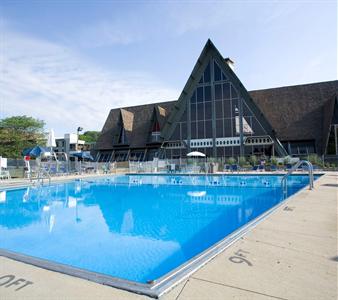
(301, 112)
(139, 124)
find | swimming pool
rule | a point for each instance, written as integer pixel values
(138, 232)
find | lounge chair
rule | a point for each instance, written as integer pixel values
(4, 174)
(254, 168)
(288, 167)
(226, 168)
(234, 168)
(261, 168)
(273, 168)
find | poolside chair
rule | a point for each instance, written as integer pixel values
(226, 168)
(261, 168)
(254, 168)
(234, 168)
(273, 168)
(4, 174)
(288, 167)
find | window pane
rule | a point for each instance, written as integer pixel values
(200, 111)
(226, 90)
(208, 111)
(201, 130)
(219, 128)
(207, 74)
(218, 91)
(234, 93)
(234, 105)
(200, 94)
(227, 127)
(207, 93)
(217, 72)
(193, 130)
(193, 112)
(219, 109)
(208, 129)
(227, 108)
(193, 98)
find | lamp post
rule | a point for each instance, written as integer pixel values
(79, 129)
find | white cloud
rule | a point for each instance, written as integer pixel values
(188, 17)
(50, 82)
(107, 33)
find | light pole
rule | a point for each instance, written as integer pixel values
(79, 129)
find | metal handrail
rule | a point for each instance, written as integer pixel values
(295, 167)
(40, 177)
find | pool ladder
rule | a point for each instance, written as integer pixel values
(295, 167)
(42, 174)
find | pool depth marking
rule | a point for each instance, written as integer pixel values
(9, 280)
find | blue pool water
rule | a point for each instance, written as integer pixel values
(133, 227)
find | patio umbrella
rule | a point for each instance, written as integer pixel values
(34, 152)
(51, 139)
(83, 155)
(196, 154)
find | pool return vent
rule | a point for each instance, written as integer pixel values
(295, 167)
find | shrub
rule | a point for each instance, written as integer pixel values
(273, 160)
(314, 159)
(242, 161)
(231, 161)
(286, 160)
(253, 160)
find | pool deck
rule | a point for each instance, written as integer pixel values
(292, 254)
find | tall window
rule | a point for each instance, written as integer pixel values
(155, 133)
(216, 99)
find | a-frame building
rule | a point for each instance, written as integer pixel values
(216, 115)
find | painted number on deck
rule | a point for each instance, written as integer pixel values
(10, 281)
(240, 257)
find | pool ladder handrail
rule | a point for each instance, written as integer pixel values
(40, 177)
(295, 167)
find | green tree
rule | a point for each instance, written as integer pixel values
(89, 136)
(18, 133)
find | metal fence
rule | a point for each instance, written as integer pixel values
(183, 165)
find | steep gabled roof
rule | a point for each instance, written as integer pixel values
(210, 51)
(139, 123)
(302, 112)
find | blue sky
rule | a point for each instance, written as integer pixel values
(69, 62)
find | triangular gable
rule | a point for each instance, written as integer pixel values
(161, 114)
(210, 53)
(127, 119)
(125, 127)
(156, 123)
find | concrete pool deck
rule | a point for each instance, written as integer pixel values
(292, 254)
